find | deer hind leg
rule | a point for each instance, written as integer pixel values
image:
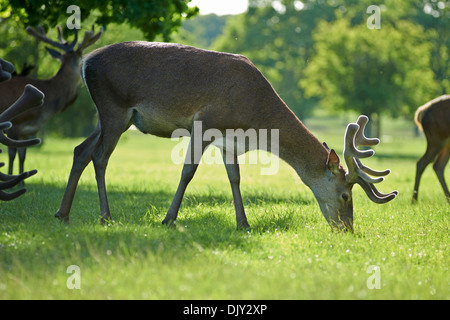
(109, 136)
(81, 158)
(439, 166)
(232, 167)
(427, 158)
(193, 157)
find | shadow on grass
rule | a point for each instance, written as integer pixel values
(30, 237)
(131, 207)
(47, 198)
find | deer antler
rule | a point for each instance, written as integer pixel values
(12, 181)
(31, 97)
(89, 38)
(62, 44)
(357, 172)
(6, 69)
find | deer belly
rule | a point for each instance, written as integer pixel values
(149, 121)
(231, 145)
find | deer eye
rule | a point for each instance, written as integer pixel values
(345, 196)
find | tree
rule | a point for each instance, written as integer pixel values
(155, 17)
(374, 72)
(277, 37)
(125, 21)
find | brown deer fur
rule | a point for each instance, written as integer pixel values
(160, 87)
(433, 118)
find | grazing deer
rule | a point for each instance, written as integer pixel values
(60, 91)
(161, 87)
(433, 118)
(30, 98)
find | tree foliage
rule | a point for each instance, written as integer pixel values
(370, 71)
(322, 52)
(277, 38)
(154, 17)
(123, 20)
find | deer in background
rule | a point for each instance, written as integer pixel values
(60, 91)
(433, 118)
(161, 87)
(30, 98)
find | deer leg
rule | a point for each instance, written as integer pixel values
(22, 154)
(109, 136)
(81, 158)
(234, 176)
(193, 157)
(427, 158)
(12, 155)
(439, 166)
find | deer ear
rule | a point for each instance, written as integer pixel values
(55, 54)
(333, 162)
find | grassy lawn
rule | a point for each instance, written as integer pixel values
(290, 252)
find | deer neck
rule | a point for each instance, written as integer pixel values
(63, 87)
(300, 148)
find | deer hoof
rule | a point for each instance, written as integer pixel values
(169, 222)
(60, 216)
(243, 226)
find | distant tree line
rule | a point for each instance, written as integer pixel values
(317, 54)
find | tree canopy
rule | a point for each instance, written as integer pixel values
(325, 53)
(319, 55)
(152, 17)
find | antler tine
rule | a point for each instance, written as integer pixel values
(371, 171)
(11, 181)
(354, 136)
(5, 125)
(40, 34)
(360, 139)
(4, 196)
(75, 39)
(357, 172)
(18, 143)
(89, 38)
(375, 195)
(350, 148)
(60, 35)
(15, 143)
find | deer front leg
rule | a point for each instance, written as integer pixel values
(12, 156)
(232, 167)
(191, 162)
(22, 154)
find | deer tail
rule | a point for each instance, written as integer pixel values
(419, 115)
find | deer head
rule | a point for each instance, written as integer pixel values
(68, 48)
(340, 212)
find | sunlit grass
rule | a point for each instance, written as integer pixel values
(290, 252)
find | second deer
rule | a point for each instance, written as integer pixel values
(60, 91)
(433, 118)
(30, 98)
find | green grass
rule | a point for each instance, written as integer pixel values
(290, 252)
